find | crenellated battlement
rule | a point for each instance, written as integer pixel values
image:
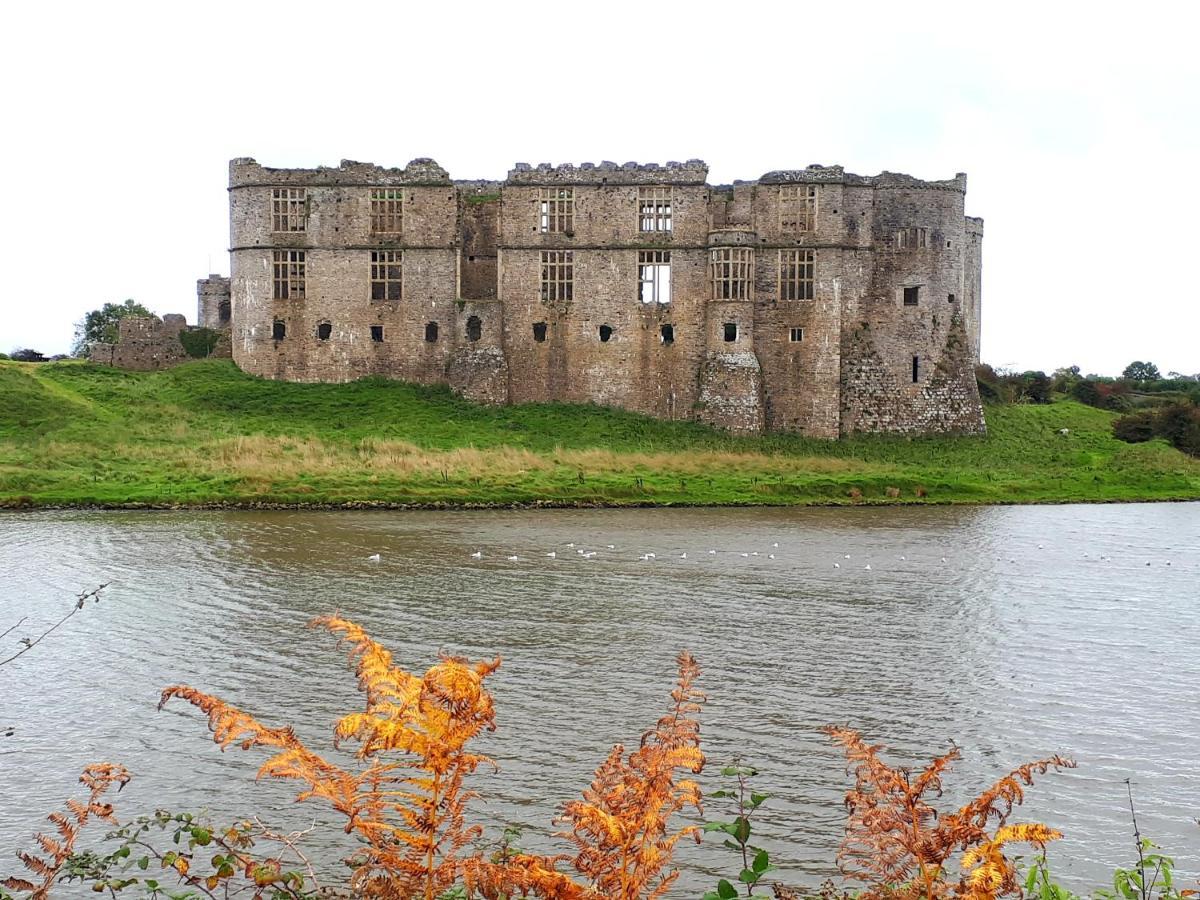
(694, 171)
(247, 172)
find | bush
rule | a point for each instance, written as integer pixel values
(4, 356)
(1179, 423)
(25, 354)
(1135, 428)
(199, 343)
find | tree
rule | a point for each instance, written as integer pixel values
(1141, 371)
(100, 325)
(25, 354)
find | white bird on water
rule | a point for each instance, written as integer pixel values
(770, 556)
(611, 546)
(589, 554)
(645, 557)
(514, 558)
(683, 556)
(711, 552)
(776, 544)
(746, 555)
(867, 567)
(551, 555)
(374, 557)
(847, 556)
(571, 545)
(837, 565)
(477, 555)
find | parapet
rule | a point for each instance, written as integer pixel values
(694, 171)
(974, 225)
(246, 172)
(213, 284)
(819, 174)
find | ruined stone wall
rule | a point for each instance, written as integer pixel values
(147, 343)
(472, 314)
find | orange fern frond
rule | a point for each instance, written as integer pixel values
(98, 778)
(897, 842)
(987, 872)
(620, 828)
(408, 811)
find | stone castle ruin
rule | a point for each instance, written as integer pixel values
(810, 300)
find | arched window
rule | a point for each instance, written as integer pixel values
(474, 328)
(431, 331)
(278, 330)
(668, 334)
(606, 333)
(324, 330)
(539, 332)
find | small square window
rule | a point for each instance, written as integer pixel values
(539, 332)
(796, 335)
(278, 330)
(324, 330)
(556, 210)
(431, 332)
(911, 295)
(730, 332)
(377, 333)
(950, 298)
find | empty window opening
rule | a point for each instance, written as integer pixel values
(730, 273)
(539, 332)
(431, 332)
(386, 272)
(377, 333)
(223, 312)
(911, 295)
(916, 373)
(949, 298)
(796, 275)
(278, 330)
(912, 239)
(654, 209)
(386, 211)
(474, 328)
(288, 280)
(668, 334)
(730, 332)
(558, 276)
(556, 207)
(606, 333)
(324, 330)
(289, 209)
(654, 276)
(797, 208)
(795, 335)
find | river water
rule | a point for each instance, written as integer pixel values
(1015, 632)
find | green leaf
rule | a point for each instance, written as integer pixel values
(761, 863)
(741, 832)
(715, 826)
(725, 890)
(748, 876)
(757, 799)
(143, 863)
(723, 793)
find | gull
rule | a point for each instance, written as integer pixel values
(645, 557)
(837, 565)
(755, 553)
(747, 555)
(611, 546)
(552, 555)
(476, 555)
(571, 545)
(903, 558)
(514, 558)
(1040, 547)
(776, 544)
(581, 553)
(374, 557)
(770, 556)
(711, 552)
(943, 559)
(867, 567)
(589, 554)
(683, 556)
(652, 555)
(847, 556)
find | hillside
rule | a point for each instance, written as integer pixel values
(205, 433)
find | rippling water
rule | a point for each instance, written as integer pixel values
(1014, 631)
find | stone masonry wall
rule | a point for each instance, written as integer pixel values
(472, 315)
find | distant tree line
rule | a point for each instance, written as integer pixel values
(1155, 406)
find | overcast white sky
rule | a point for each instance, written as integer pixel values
(1079, 127)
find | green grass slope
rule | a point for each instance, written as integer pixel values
(206, 433)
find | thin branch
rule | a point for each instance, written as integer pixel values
(289, 841)
(29, 644)
(12, 628)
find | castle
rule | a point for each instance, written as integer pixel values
(810, 300)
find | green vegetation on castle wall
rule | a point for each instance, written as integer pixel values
(206, 433)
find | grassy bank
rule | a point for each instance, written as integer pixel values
(204, 433)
